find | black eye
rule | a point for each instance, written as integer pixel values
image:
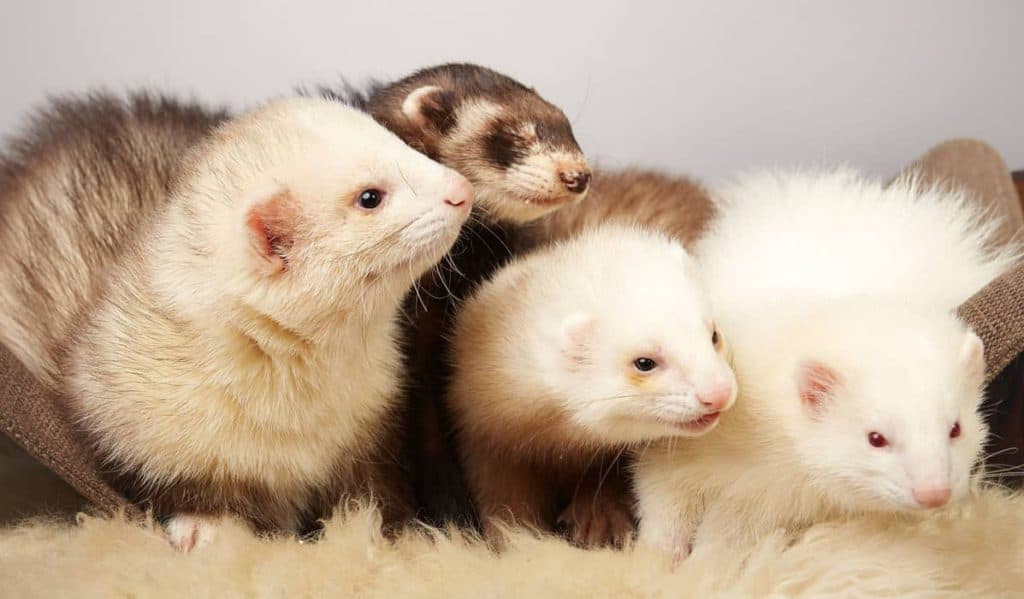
(370, 199)
(644, 364)
(714, 337)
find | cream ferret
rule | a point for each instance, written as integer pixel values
(859, 388)
(242, 358)
(567, 358)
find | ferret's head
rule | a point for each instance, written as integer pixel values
(307, 206)
(882, 402)
(639, 356)
(517, 149)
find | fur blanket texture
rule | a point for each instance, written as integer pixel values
(975, 549)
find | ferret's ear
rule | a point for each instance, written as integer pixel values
(430, 106)
(972, 358)
(577, 334)
(270, 223)
(817, 384)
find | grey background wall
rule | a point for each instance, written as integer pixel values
(707, 88)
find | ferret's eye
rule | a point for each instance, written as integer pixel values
(877, 439)
(955, 431)
(369, 199)
(715, 338)
(644, 364)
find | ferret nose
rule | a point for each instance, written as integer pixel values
(461, 193)
(931, 497)
(575, 181)
(715, 397)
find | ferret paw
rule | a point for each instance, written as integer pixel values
(674, 545)
(597, 522)
(186, 532)
(679, 551)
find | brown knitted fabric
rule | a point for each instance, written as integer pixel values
(32, 417)
(996, 313)
(978, 168)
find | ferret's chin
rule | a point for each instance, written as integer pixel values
(521, 205)
(648, 428)
(425, 247)
(693, 427)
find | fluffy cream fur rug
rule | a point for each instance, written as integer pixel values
(976, 549)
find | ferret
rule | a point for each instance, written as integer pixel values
(572, 355)
(242, 358)
(520, 154)
(517, 149)
(859, 388)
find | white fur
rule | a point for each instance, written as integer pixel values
(201, 363)
(973, 551)
(834, 269)
(561, 328)
(187, 533)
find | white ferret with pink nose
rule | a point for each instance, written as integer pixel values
(859, 387)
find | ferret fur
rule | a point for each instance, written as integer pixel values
(514, 147)
(832, 272)
(242, 357)
(543, 385)
(678, 206)
(511, 143)
(74, 189)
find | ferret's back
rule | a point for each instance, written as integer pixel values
(75, 187)
(837, 234)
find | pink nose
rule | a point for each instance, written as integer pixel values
(929, 497)
(715, 397)
(460, 194)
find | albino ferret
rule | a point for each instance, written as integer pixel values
(242, 357)
(859, 388)
(570, 356)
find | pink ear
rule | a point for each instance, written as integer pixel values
(817, 384)
(577, 334)
(270, 222)
(972, 357)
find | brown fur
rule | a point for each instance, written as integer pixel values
(263, 505)
(676, 205)
(114, 160)
(484, 245)
(462, 83)
(580, 491)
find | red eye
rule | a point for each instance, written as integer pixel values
(877, 439)
(955, 431)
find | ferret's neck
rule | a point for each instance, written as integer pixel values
(276, 338)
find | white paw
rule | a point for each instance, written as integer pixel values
(187, 532)
(676, 546)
